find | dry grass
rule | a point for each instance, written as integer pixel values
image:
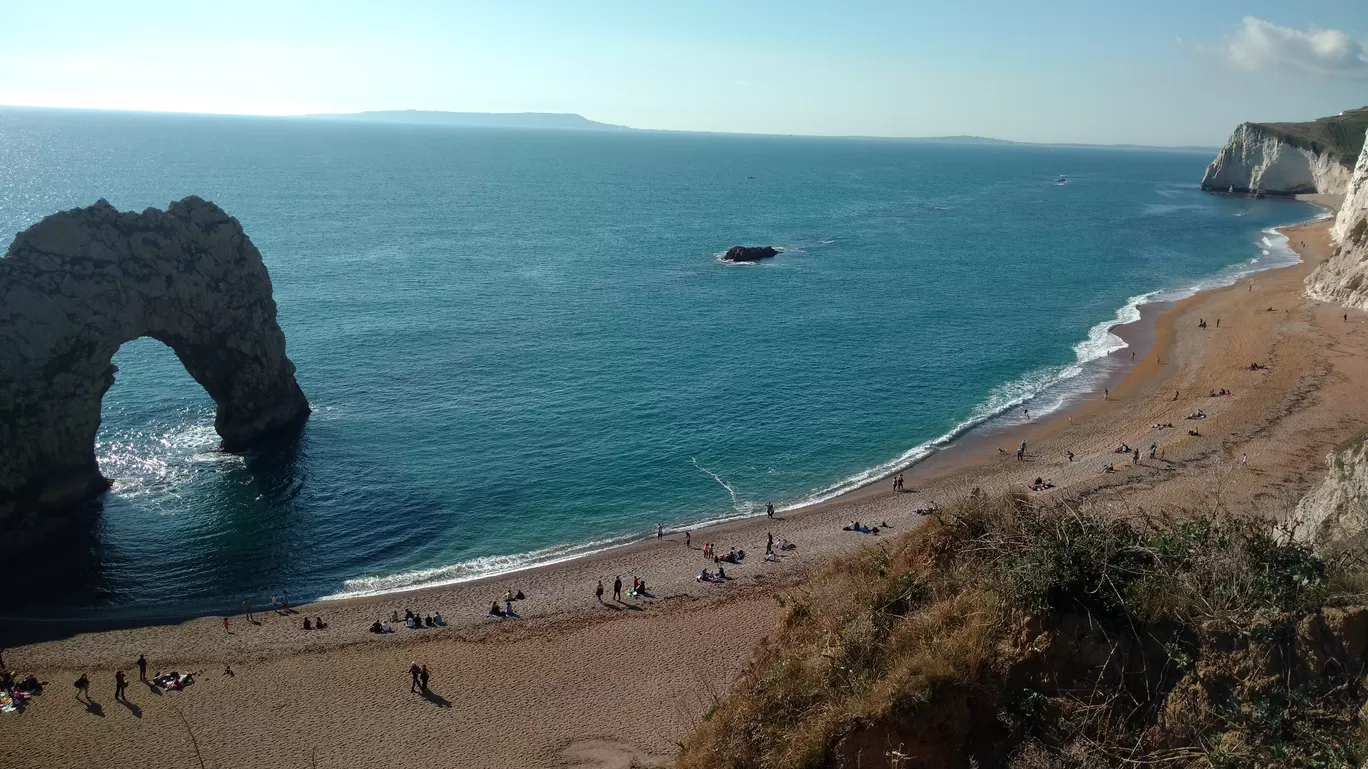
(1056, 634)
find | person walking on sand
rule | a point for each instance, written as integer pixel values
(120, 682)
(1105, 393)
(617, 588)
(769, 506)
(688, 540)
(1244, 460)
(660, 529)
(1218, 323)
(598, 591)
(142, 668)
(414, 673)
(423, 678)
(225, 625)
(247, 609)
(83, 688)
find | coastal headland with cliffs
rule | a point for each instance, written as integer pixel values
(1275, 364)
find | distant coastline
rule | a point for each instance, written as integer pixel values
(562, 121)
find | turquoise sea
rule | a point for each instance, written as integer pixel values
(521, 345)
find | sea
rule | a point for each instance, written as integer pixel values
(522, 346)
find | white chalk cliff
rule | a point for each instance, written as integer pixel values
(1259, 161)
(1343, 278)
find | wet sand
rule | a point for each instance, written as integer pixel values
(576, 682)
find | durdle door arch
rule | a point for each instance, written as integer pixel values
(79, 284)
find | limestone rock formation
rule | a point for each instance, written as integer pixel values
(1290, 158)
(1343, 278)
(79, 284)
(1335, 514)
(1254, 161)
(749, 253)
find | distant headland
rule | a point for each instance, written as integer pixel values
(560, 120)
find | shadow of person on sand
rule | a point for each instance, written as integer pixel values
(132, 708)
(94, 708)
(155, 689)
(435, 698)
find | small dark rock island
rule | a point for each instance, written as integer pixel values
(749, 253)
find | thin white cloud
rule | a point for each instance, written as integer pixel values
(1264, 46)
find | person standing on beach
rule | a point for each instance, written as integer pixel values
(83, 688)
(1244, 460)
(660, 529)
(617, 588)
(120, 682)
(1218, 323)
(423, 678)
(225, 625)
(598, 591)
(769, 506)
(247, 609)
(142, 668)
(275, 601)
(688, 540)
(414, 673)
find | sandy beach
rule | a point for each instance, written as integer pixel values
(577, 682)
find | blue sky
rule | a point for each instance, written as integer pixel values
(1158, 72)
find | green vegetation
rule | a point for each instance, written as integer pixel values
(1340, 136)
(1006, 633)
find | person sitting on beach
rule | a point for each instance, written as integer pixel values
(437, 619)
(386, 628)
(494, 610)
(394, 616)
(319, 624)
(408, 615)
(703, 576)
(770, 556)
(519, 596)
(308, 624)
(427, 621)
(376, 627)
(721, 573)
(408, 622)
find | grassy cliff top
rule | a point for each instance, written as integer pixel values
(1340, 136)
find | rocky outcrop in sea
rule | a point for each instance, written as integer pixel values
(79, 284)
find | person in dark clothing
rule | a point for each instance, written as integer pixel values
(617, 588)
(83, 687)
(414, 673)
(120, 682)
(423, 678)
(142, 668)
(598, 591)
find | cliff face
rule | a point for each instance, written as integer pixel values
(1256, 161)
(1290, 158)
(76, 286)
(1343, 278)
(1335, 514)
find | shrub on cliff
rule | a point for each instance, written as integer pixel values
(1012, 634)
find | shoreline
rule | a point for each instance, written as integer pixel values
(949, 454)
(659, 663)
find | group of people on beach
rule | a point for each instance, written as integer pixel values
(412, 620)
(638, 589)
(898, 482)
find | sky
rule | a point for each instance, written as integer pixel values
(1159, 72)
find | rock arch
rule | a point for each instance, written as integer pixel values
(79, 284)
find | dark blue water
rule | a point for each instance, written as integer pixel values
(522, 346)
